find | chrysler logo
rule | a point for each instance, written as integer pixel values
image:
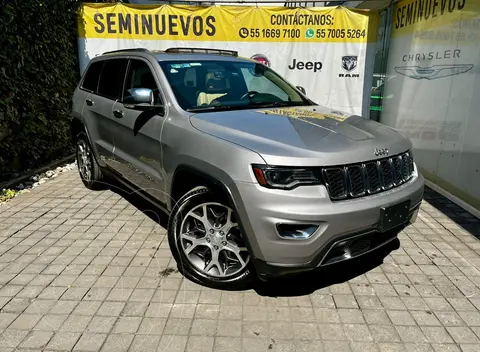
(433, 72)
(380, 151)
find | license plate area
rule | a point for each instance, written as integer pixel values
(393, 216)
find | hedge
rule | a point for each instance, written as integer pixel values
(38, 73)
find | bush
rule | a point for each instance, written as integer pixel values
(38, 73)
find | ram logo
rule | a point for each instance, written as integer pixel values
(349, 62)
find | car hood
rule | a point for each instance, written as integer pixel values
(313, 135)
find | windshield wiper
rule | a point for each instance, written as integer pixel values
(211, 108)
(277, 104)
(246, 106)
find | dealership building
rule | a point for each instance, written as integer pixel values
(424, 82)
(427, 67)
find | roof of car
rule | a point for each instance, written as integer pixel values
(182, 54)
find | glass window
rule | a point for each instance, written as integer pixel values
(210, 85)
(261, 83)
(111, 79)
(90, 82)
(380, 64)
(140, 76)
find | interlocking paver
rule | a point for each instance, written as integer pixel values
(117, 342)
(63, 341)
(76, 323)
(50, 322)
(36, 340)
(81, 270)
(101, 324)
(11, 338)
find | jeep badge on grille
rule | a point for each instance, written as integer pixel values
(380, 151)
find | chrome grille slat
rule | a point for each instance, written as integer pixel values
(397, 170)
(357, 180)
(336, 182)
(386, 172)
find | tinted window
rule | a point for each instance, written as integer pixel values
(140, 76)
(92, 75)
(111, 79)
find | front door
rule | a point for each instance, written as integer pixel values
(137, 148)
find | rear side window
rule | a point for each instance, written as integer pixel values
(90, 82)
(111, 79)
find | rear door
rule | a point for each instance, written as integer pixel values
(99, 108)
(137, 146)
(83, 103)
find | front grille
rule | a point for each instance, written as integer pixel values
(356, 180)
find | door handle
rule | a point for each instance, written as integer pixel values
(89, 102)
(118, 114)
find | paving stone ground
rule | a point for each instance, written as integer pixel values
(88, 271)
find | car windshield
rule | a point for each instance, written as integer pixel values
(209, 85)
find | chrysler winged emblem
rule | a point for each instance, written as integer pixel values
(349, 62)
(433, 72)
(380, 151)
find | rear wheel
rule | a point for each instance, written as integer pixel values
(88, 168)
(207, 243)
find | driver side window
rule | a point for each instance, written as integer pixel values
(140, 76)
(262, 85)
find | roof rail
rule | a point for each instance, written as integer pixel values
(202, 51)
(143, 50)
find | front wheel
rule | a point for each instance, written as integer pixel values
(207, 243)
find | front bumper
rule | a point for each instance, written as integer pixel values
(261, 209)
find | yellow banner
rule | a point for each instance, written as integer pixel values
(460, 18)
(227, 23)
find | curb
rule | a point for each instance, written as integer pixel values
(30, 173)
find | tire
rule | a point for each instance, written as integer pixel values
(88, 168)
(219, 258)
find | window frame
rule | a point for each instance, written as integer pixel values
(152, 71)
(122, 81)
(81, 87)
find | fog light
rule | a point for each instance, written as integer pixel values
(296, 231)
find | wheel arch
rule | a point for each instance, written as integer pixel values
(77, 126)
(202, 178)
(186, 177)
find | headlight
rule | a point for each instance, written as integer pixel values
(285, 178)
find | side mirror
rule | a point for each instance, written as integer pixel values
(301, 89)
(137, 96)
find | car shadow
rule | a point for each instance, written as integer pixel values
(146, 207)
(309, 282)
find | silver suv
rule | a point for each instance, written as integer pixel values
(258, 180)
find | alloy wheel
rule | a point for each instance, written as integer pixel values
(84, 160)
(211, 240)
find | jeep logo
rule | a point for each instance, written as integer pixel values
(380, 151)
(309, 65)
